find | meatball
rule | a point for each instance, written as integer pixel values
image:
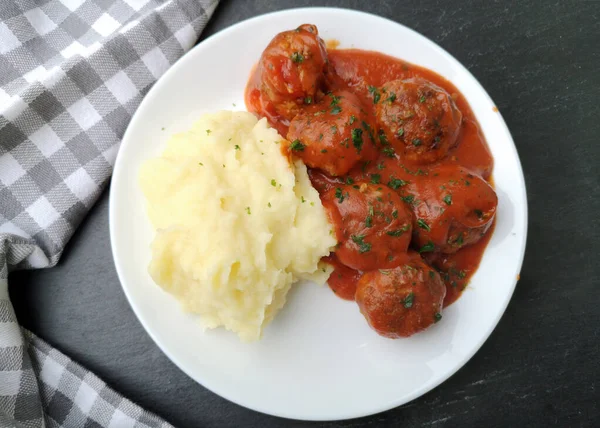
(372, 225)
(419, 119)
(292, 69)
(452, 208)
(332, 135)
(402, 301)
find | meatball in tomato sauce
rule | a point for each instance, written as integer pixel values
(452, 208)
(332, 135)
(419, 119)
(292, 69)
(372, 225)
(402, 301)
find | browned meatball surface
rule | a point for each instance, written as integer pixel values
(419, 119)
(402, 301)
(373, 226)
(292, 69)
(452, 208)
(332, 135)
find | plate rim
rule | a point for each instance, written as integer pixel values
(389, 404)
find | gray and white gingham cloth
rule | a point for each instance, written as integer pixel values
(72, 72)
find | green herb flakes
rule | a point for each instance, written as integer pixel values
(396, 183)
(297, 146)
(357, 140)
(297, 57)
(339, 194)
(376, 94)
(427, 248)
(423, 225)
(363, 246)
(408, 300)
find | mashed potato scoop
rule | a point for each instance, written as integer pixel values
(236, 223)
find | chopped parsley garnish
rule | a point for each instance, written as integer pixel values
(427, 248)
(383, 139)
(269, 204)
(460, 274)
(357, 140)
(237, 147)
(400, 132)
(423, 225)
(363, 246)
(416, 142)
(448, 199)
(408, 300)
(431, 274)
(391, 98)
(422, 99)
(208, 131)
(273, 182)
(308, 100)
(352, 120)
(336, 110)
(369, 130)
(297, 57)
(408, 198)
(349, 180)
(302, 199)
(369, 221)
(395, 183)
(297, 146)
(376, 95)
(339, 194)
(334, 100)
(375, 178)
(389, 152)
(395, 213)
(323, 150)
(248, 210)
(200, 163)
(398, 232)
(437, 317)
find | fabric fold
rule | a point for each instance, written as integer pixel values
(72, 73)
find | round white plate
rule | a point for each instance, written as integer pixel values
(318, 360)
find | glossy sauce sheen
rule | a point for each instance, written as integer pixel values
(356, 71)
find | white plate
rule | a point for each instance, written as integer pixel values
(318, 360)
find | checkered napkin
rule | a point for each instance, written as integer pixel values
(72, 72)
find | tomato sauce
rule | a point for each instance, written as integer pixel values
(359, 71)
(343, 280)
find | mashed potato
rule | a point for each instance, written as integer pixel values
(236, 223)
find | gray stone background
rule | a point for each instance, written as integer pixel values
(539, 61)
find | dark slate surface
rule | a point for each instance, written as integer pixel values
(539, 61)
